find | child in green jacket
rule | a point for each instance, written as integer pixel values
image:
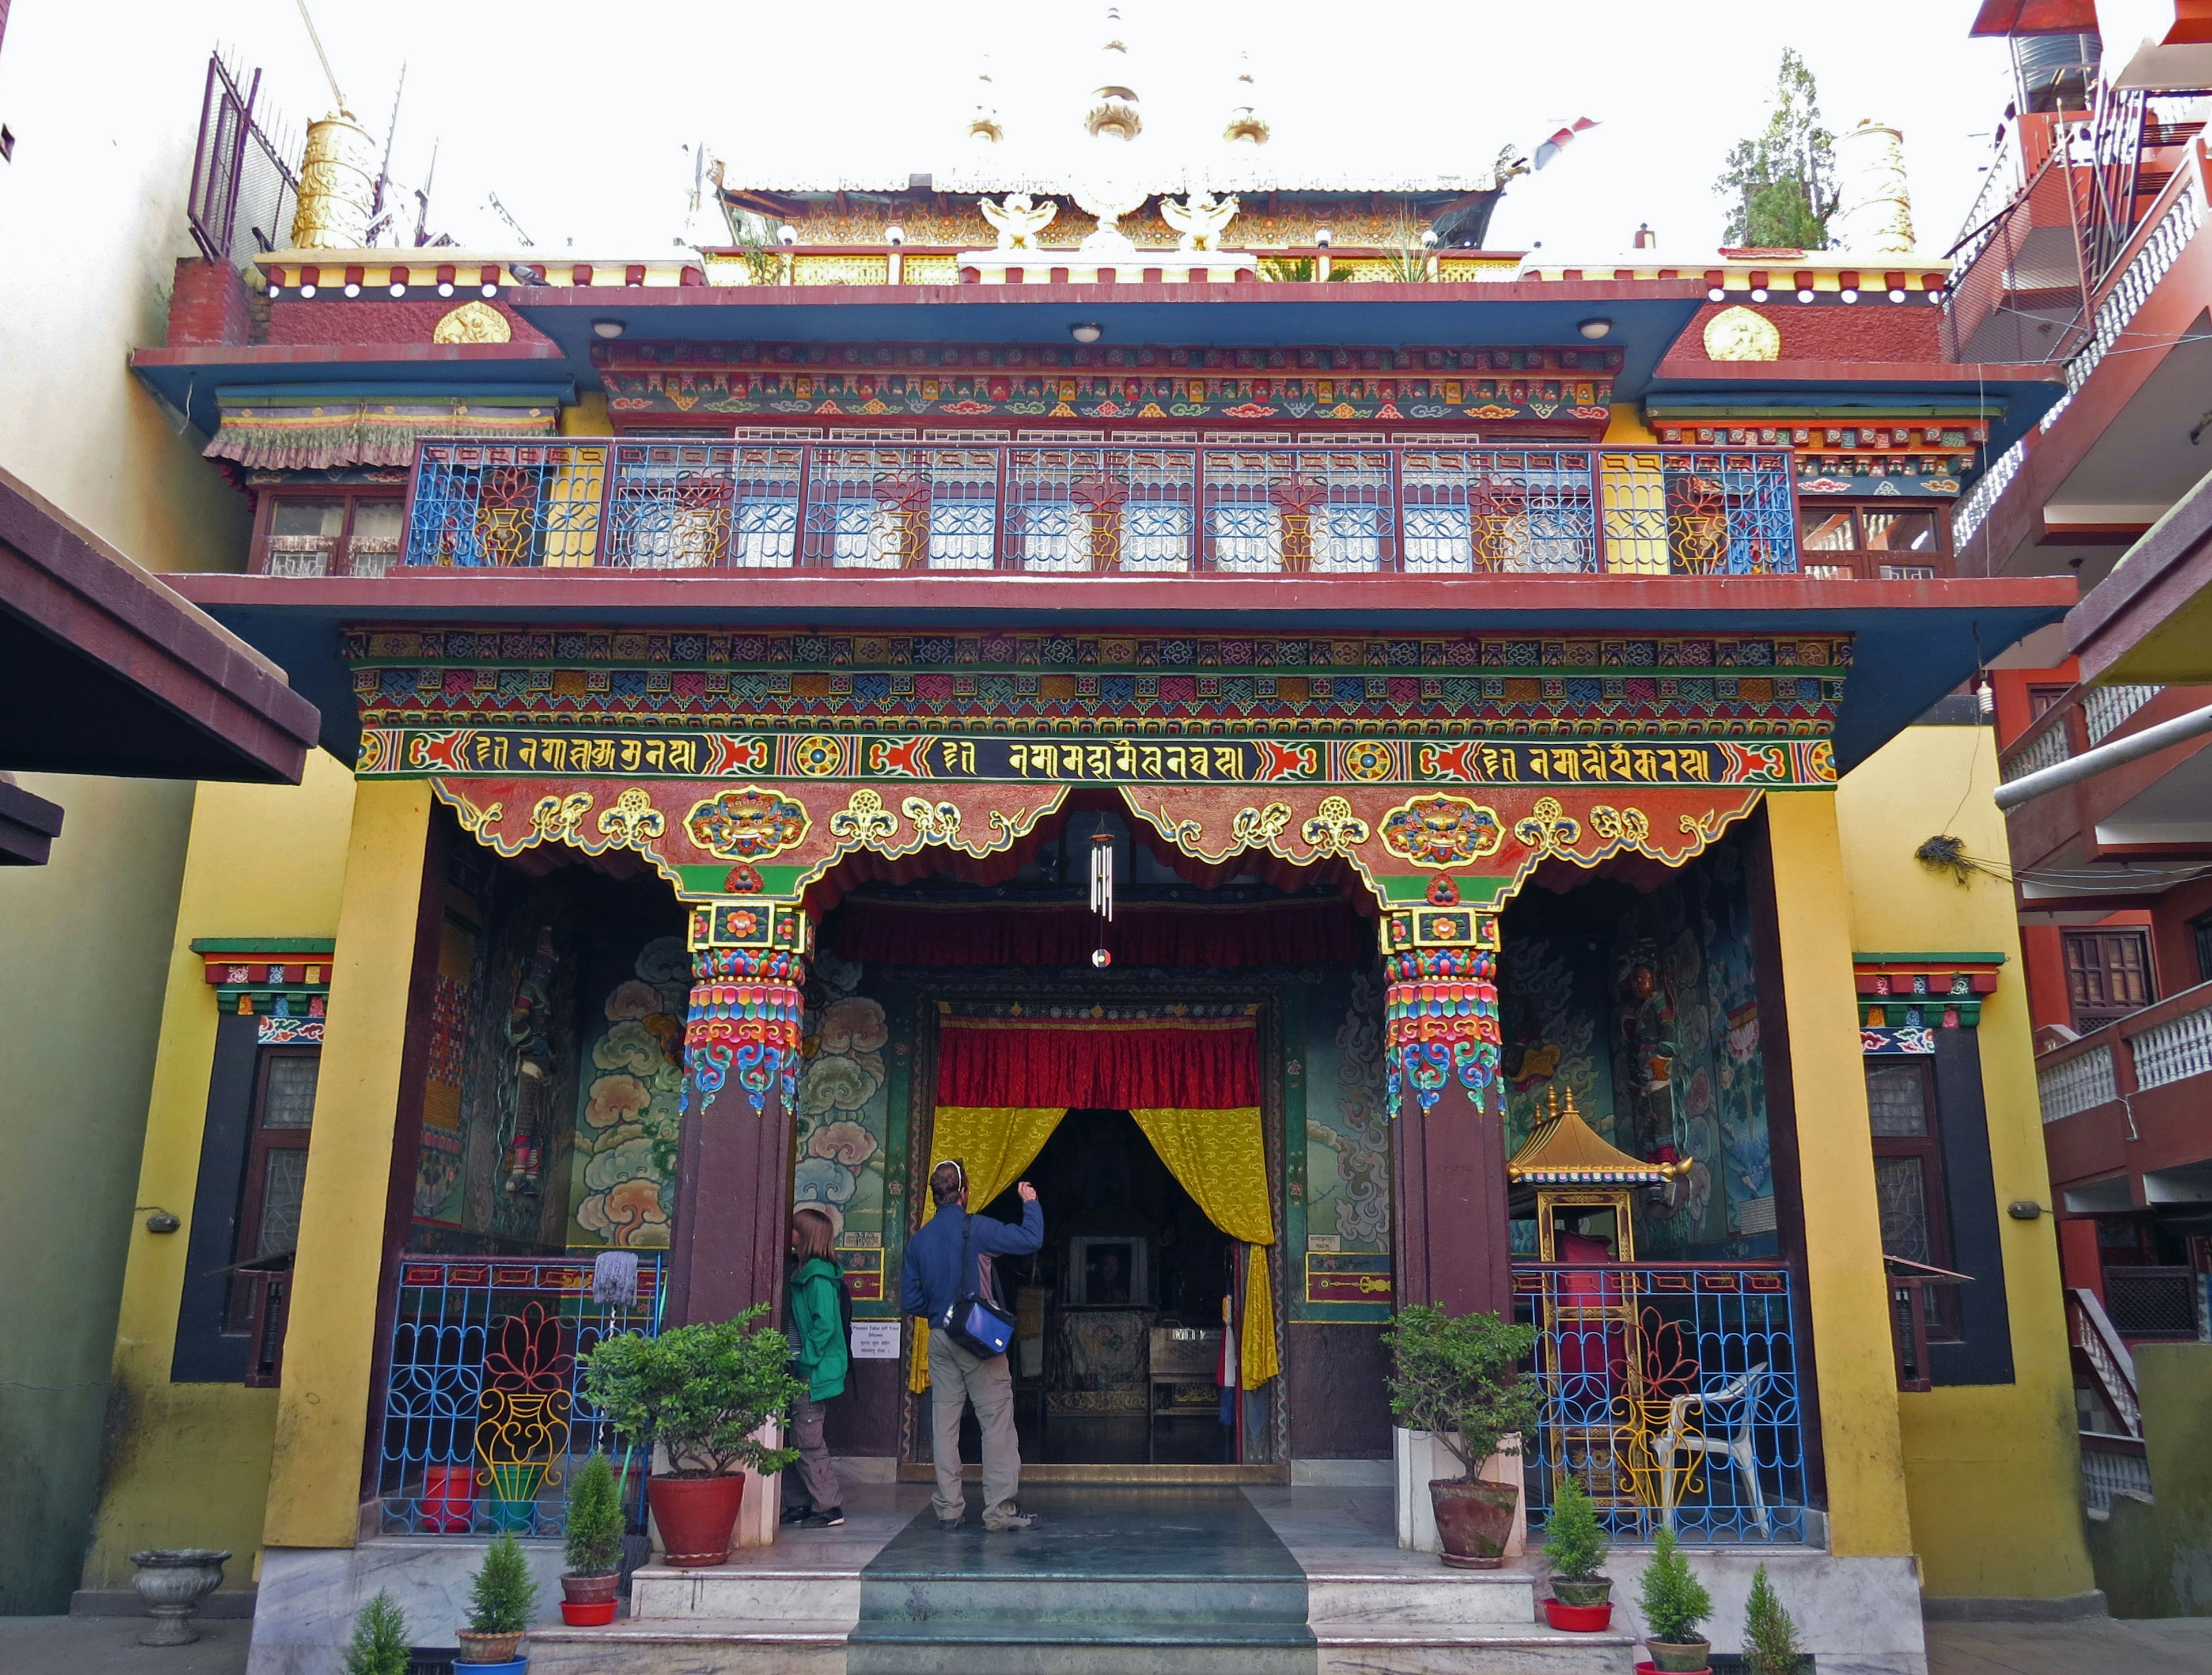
(815, 1319)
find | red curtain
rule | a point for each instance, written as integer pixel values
(1284, 933)
(1114, 1065)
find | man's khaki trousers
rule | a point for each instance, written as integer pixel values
(957, 1378)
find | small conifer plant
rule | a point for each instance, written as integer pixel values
(593, 1543)
(379, 1639)
(502, 1597)
(1574, 1541)
(1769, 1635)
(1674, 1602)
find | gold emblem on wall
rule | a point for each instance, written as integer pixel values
(1334, 829)
(1738, 334)
(864, 820)
(747, 825)
(473, 323)
(633, 822)
(1442, 831)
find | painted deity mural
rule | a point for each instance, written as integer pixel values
(1644, 1006)
(623, 1182)
(842, 1136)
(1340, 1176)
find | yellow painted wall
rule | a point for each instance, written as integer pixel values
(314, 1488)
(1626, 426)
(1852, 1359)
(1991, 1471)
(188, 1463)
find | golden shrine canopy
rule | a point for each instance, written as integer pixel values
(1564, 1150)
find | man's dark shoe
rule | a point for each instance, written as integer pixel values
(797, 1515)
(1014, 1519)
(824, 1517)
(949, 1524)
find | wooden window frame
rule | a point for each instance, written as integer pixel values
(1864, 561)
(353, 493)
(2140, 935)
(260, 1141)
(1941, 1311)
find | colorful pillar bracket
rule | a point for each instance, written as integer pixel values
(1440, 1013)
(748, 969)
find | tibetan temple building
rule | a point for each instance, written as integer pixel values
(1504, 695)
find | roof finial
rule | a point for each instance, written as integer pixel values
(1246, 124)
(1113, 114)
(984, 125)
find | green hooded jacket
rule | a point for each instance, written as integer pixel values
(817, 1329)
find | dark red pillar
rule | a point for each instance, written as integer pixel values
(1442, 1046)
(740, 1099)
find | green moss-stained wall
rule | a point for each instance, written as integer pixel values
(88, 939)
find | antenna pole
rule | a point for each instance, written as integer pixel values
(318, 41)
(391, 135)
(423, 200)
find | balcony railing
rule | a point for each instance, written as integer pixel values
(1079, 506)
(2166, 1042)
(2113, 1466)
(1670, 1395)
(484, 1416)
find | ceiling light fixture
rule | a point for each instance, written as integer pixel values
(1321, 237)
(1594, 329)
(607, 328)
(894, 235)
(1086, 331)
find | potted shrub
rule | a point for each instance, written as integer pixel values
(592, 1547)
(379, 1639)
(1675, 1604)
(1458, 1377)
(501, 1600)
(1770, 1636)
(1574, 1541)
(700, 1392)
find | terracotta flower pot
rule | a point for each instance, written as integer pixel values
(1579, 1619)
(478, 1648)
(1474, 1520)
(588, 1601)
(1581, 1594)
(696, 1516)
(1685, 1657)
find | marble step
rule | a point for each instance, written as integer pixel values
(1077, 1599)
(1435, 1601)
(1530, 1649)
(663, 1592)
(1093, 1648)
(694, 1645)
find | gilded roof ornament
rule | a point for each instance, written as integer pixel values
(1018, 218)
(473, 323)
(1738, 334)
(1563, 1150)
(1201, 218)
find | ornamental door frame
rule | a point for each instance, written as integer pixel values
(921, 1114)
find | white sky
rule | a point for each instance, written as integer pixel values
(578, 112)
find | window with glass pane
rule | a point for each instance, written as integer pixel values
(373, 545)
(1053, 535)
(275, 1166)
(1347, 537)
(303, 536)
(960, 535)
(1908, 1173)
(1246, 537)
(1897, 531)
(1438, 538)
(1827, 530)
(767, 534)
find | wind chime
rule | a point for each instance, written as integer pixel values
(1101, 893)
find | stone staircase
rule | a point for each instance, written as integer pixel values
(758, 1621)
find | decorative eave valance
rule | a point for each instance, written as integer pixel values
(285, 981)
(321, 430)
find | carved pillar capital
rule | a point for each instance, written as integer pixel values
(747, 967)
(1440, 1018)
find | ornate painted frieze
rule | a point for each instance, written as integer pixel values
(1905, 998)
(284, 981)
(1032, 382)
(582, 683)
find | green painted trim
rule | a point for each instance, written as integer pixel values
(1945, 956)
(265, 945)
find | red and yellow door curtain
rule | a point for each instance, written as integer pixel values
(1192, 1084)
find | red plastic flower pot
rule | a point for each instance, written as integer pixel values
(588, 1614)
(1579, 1619)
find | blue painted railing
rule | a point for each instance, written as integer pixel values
(484, 1416)
(1670, 1393)
(1089, 507)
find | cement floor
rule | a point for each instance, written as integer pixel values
(109, 1646)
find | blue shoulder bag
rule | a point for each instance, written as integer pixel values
(976, 1323)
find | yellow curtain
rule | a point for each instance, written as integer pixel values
(994, 1143)
(1222, 1162)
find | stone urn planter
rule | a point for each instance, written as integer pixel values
(173, 1581)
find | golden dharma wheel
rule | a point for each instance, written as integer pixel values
(337, 185)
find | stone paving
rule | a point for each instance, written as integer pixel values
(109, 1646)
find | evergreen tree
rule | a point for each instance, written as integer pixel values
(1770, 1636)
(1780, 185)
(379, 1640)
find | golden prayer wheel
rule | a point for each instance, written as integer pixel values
(337, 185)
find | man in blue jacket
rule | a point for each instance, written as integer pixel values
(934, 1284)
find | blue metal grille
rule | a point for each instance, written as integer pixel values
(1079, 506)
(1670, 1394)
(485, 1417)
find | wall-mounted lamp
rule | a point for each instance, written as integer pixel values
(161, 1221)
(609, 329)
(787, 233)
(1086, 331)
(1321, 237)
(2024, 1210)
